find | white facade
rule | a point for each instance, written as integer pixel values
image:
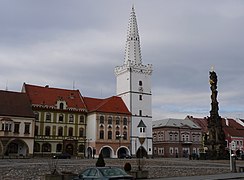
(134, 87)
(18, 141)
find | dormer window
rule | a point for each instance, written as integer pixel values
(142, 129)
(61, 106)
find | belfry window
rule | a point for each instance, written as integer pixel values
(140, 83)
(140, 97)
(140, 112)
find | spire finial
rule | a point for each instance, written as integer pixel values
(133, 49)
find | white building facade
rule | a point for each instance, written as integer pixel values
(134, 87)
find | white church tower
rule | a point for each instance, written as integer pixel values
(134, 87)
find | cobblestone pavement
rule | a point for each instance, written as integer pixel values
(28, 169)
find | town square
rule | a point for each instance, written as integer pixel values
(76, 93)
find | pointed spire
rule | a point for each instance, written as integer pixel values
(132, 49)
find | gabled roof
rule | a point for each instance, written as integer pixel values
(112, 104)
(46, 96)
(230, 126)
(178, 123)
(15, 104)
(141, 124)
(202, 122)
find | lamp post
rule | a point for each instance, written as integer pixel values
(119, 136)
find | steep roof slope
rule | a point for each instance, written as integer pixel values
(230, 126)
(112, 104)
(49, 96)
(170, 122)
(15, 104)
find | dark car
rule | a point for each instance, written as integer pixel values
(125, 156)
(62, 156)
(103, 173)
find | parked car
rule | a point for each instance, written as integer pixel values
(103, 173)
(62, 156)
(125, 156)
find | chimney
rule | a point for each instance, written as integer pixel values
(226, 121)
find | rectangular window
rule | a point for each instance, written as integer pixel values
(176, 137)
(16, 127)
(27, 128)
(36, 116)
(82, 119)
(110, 119)
(140, 97)
(142, 129)
(101, 134)
(71, 118)
(176, 150)
(48, 116)
(140, 112)
(6, 127)
(155, 150)
(117, 120)
(160, 151)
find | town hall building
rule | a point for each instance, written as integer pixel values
(134, 87)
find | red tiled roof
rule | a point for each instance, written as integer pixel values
(15, 104)
(202, 122)
(112, 104)
(49, 96)
(231, 128)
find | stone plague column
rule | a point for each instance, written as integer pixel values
(215, 138)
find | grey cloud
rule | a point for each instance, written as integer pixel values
(60, 42)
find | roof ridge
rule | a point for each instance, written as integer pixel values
(48, 87)
(104, 101)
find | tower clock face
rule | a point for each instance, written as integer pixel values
(140, 89)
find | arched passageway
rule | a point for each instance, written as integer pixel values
(69, 149)
(141, 152)
(17, 148)
(123, 153)
(106, 152)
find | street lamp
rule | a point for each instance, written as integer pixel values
(119, 136)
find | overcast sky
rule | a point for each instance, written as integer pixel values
(66, 43)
